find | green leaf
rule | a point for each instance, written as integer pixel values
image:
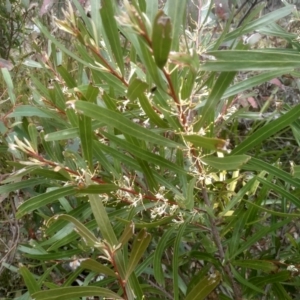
(157, 261)
(30, 281)
(176, 10)
(245, 282)
(258, 235)
(250, 60)
(150, 112)
(258, 165)
(61, 255)
(86, 138)
(127, 232)
(33, 133)
(97, 267)
(175, 259)
(65, 74)
(145, 155)
(151, 9)
(9, 85)
(136, 88)
(286, 194)
(271, 278)
(296, 171)
(110, 27)
(268, 130)
(44, 199)
(149, 225)
(189, 201)
(98, 189)
(280, 291)
(139, 247)
(102, 219)
(123, 124)
(149, 62)
(226, 163)
(253, 82)
(259, 23)
(61, 174)
(188, 83)
(273, 212)
(161, 38)
(209, 110)
(28, 111)
(82, 230)
(204, 287)
(256, 264)
(73, 292)
(7, 188)
(205, 142)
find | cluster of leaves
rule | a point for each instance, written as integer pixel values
(124, 160)
(14, 15)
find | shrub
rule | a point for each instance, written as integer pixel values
(127, 168)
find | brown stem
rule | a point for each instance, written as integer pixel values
(106, 64)
(115, 266)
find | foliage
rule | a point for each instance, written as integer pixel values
(14, 16)
(125, 163)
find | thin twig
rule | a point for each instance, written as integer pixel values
(218, 242)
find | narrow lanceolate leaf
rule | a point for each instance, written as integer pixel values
(97, 267)
(273, 212)
(86, 137)
(250, 60)
(148, 225)
(254, 81)
(175, 259)
(30, 281)
(136, 88)
(110, 27)
(176, 10)
(149, 62)
(286, 194)
(98, 189)
(75, 292)
(127, 233)
(258, 165)
(9, 85)
(82, 230)
(7, 188)
(189, 199)
(44, 199)
(65, 74)
(102, 219)
(257, 236)
(245, 282)
(256, 264)
(209, 109)
(54, 256)
(106, 229)
(27, 111)
(145, 155)
(259, 23)
(123, 124)
(139, 247)
(226, 163)
(205, 142)
(33, 133)
(151, 113)
(268, 130)
(204, 287)
(161, 38)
